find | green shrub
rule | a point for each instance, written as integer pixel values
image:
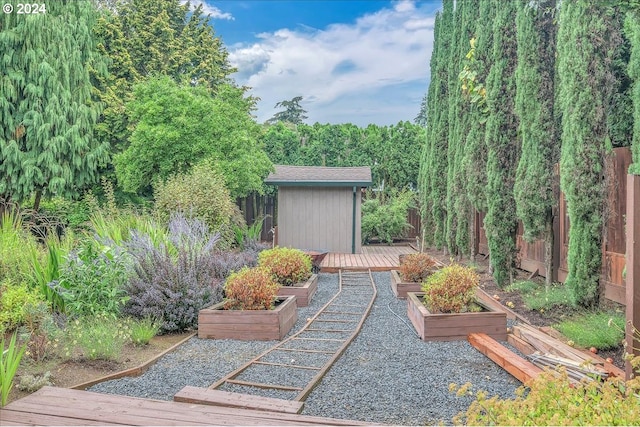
(13, 299)
(39, 331)
(92, 281)
(552, 399)
(451, 289)
(386, 219)
(31, 383)
(250, 289)
(200, 193)
(593, 330)
(417, 267)
(286, 265)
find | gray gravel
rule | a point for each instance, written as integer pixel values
(386, 376)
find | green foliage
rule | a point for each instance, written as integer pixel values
(167, 140)
(142, 330)
(632, 30)
(386, 219)
(92, 280)
(594, 330)
(250, 289)
(416, 268)
(288, 266)
(537, 297)
(45, 271)
(31, 383)
(13, 300)
(200, 193)
(293, 113)
(47, 145)
(39, 331)
(98, 337)
(16, 246)
(552, 399)
(586, 84)
(503, 147)
(10, 358)
(451, 289)
(534, 103)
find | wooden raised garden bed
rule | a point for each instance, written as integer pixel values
(217, 323)
(454, 326)
(303, 291)
(401, 288)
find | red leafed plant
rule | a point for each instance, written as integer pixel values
(250, 289)
(287, 265)
(451, 289)
(417, 267)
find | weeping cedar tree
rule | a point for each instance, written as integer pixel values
(46, 126)
(632, 30)
(533, 189)
(503, 146)
(588, 35)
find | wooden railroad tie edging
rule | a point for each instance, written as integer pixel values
(205, 396)
(520, 368)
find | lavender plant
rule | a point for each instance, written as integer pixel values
(173, 288)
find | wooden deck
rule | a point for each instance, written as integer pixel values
(375, 258)
(61, 406)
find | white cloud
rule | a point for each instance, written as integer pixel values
(213, 11)
(345, 68)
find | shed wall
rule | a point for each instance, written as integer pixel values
(318, 218)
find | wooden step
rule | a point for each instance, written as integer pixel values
(520, 368)
(205, 396)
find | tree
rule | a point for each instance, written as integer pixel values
(632, 29)
(293, 113)
(503, 148)
(48, 115)
(535, 94)
(177, 127)
(421, 118)
(586, 88)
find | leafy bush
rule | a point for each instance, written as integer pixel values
(286, 265)
(592, 330)
(200, 193)
(13, 299)
(386, 219)
(226, 262)
(92, 281)
(250, 289)
(172, 288)
(451, 289)
(552, 399)
(45, 270)
(39, 331)
(417, 267)
(31, 383)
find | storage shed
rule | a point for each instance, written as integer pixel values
(319, 207)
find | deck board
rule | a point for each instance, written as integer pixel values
(376, 258)
(60, 406)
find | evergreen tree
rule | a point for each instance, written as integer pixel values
(293, 112)
(535, 78)
(588, 35)
(421, 118)
(48, 115)
(503, 146)
(632, 30)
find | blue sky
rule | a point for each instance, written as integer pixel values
(352, 61)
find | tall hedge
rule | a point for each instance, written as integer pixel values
(503, 146)
(632, 30)
(535, 82)
(587, 41)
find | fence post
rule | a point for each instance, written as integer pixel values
(632, 290)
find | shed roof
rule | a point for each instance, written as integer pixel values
(320, 176)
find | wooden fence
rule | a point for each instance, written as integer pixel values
(259, 207)
(531, 255)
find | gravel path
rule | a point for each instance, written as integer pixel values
(386, 376)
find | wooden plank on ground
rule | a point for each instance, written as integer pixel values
(206, 396)
(522, 369)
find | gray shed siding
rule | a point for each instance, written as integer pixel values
(318, 218)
